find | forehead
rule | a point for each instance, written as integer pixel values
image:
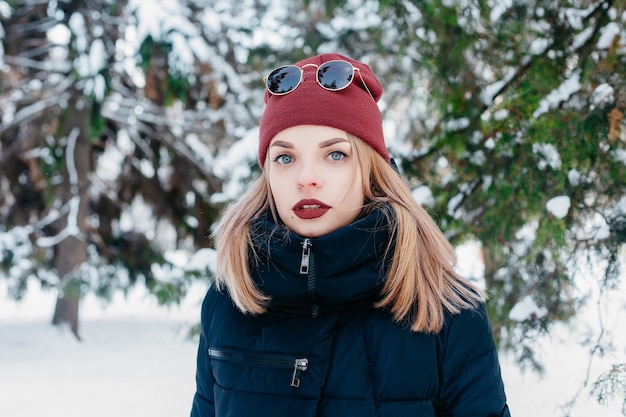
(307, 134)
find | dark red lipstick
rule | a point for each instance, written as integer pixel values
(310, 209)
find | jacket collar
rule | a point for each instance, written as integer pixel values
(344, 268)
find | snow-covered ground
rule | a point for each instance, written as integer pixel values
(135, 360)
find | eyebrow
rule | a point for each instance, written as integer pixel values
(331, 142)
(323, 144)
(282, 144)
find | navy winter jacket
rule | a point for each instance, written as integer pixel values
(322, 350)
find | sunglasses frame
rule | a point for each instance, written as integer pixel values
(301, 69)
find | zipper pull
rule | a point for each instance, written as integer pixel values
(299, 366)
(306, 253)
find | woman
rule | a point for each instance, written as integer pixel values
(336, 293)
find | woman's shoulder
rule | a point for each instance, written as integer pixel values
(214, 298)
(468, 319)
(467, 332)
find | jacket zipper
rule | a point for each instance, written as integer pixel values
(298, 365)
(306, 255)
(307, 267)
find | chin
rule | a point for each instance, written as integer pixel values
(311, 230)
(309, 233)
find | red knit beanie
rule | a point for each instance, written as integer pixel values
(351, 109)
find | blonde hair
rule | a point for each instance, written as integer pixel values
(421, 283)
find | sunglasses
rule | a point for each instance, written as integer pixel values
(332, 76)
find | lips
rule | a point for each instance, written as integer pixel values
(310, 209)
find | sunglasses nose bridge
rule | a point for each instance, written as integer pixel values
(310, 69)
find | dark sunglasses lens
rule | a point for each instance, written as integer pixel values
(284, 79)
(335, 75)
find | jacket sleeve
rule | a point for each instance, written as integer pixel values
(470, 379)
(203, 404)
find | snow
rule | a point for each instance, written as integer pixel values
(60, 34)
(595, 228)
(539, 46)
(454, 125)
(581, 38)
(525, 309)
(5, 9)
(549, 156)
(237, 161)
(603, 94)
(423, 195)
(561, 94)
(136, 359)
(559, 206)
(607, 35)
(574, 177)
(489, 93)
(498, 8)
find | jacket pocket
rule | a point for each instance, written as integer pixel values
(297, 365)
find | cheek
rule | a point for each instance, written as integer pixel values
(274, 183)
(358, 199)
(355, 186)
(280, 197)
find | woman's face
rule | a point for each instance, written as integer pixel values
(314, 181)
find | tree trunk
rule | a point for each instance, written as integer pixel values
(71, 250)
(66, 312)
(71, 253)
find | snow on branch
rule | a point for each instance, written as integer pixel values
(560, 95)
(19, 61)
(69, 159)
(30, 112)
(72, 228)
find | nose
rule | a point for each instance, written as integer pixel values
(308, 175)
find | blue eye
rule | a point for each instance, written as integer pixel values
(337, 155)
(283, 159)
